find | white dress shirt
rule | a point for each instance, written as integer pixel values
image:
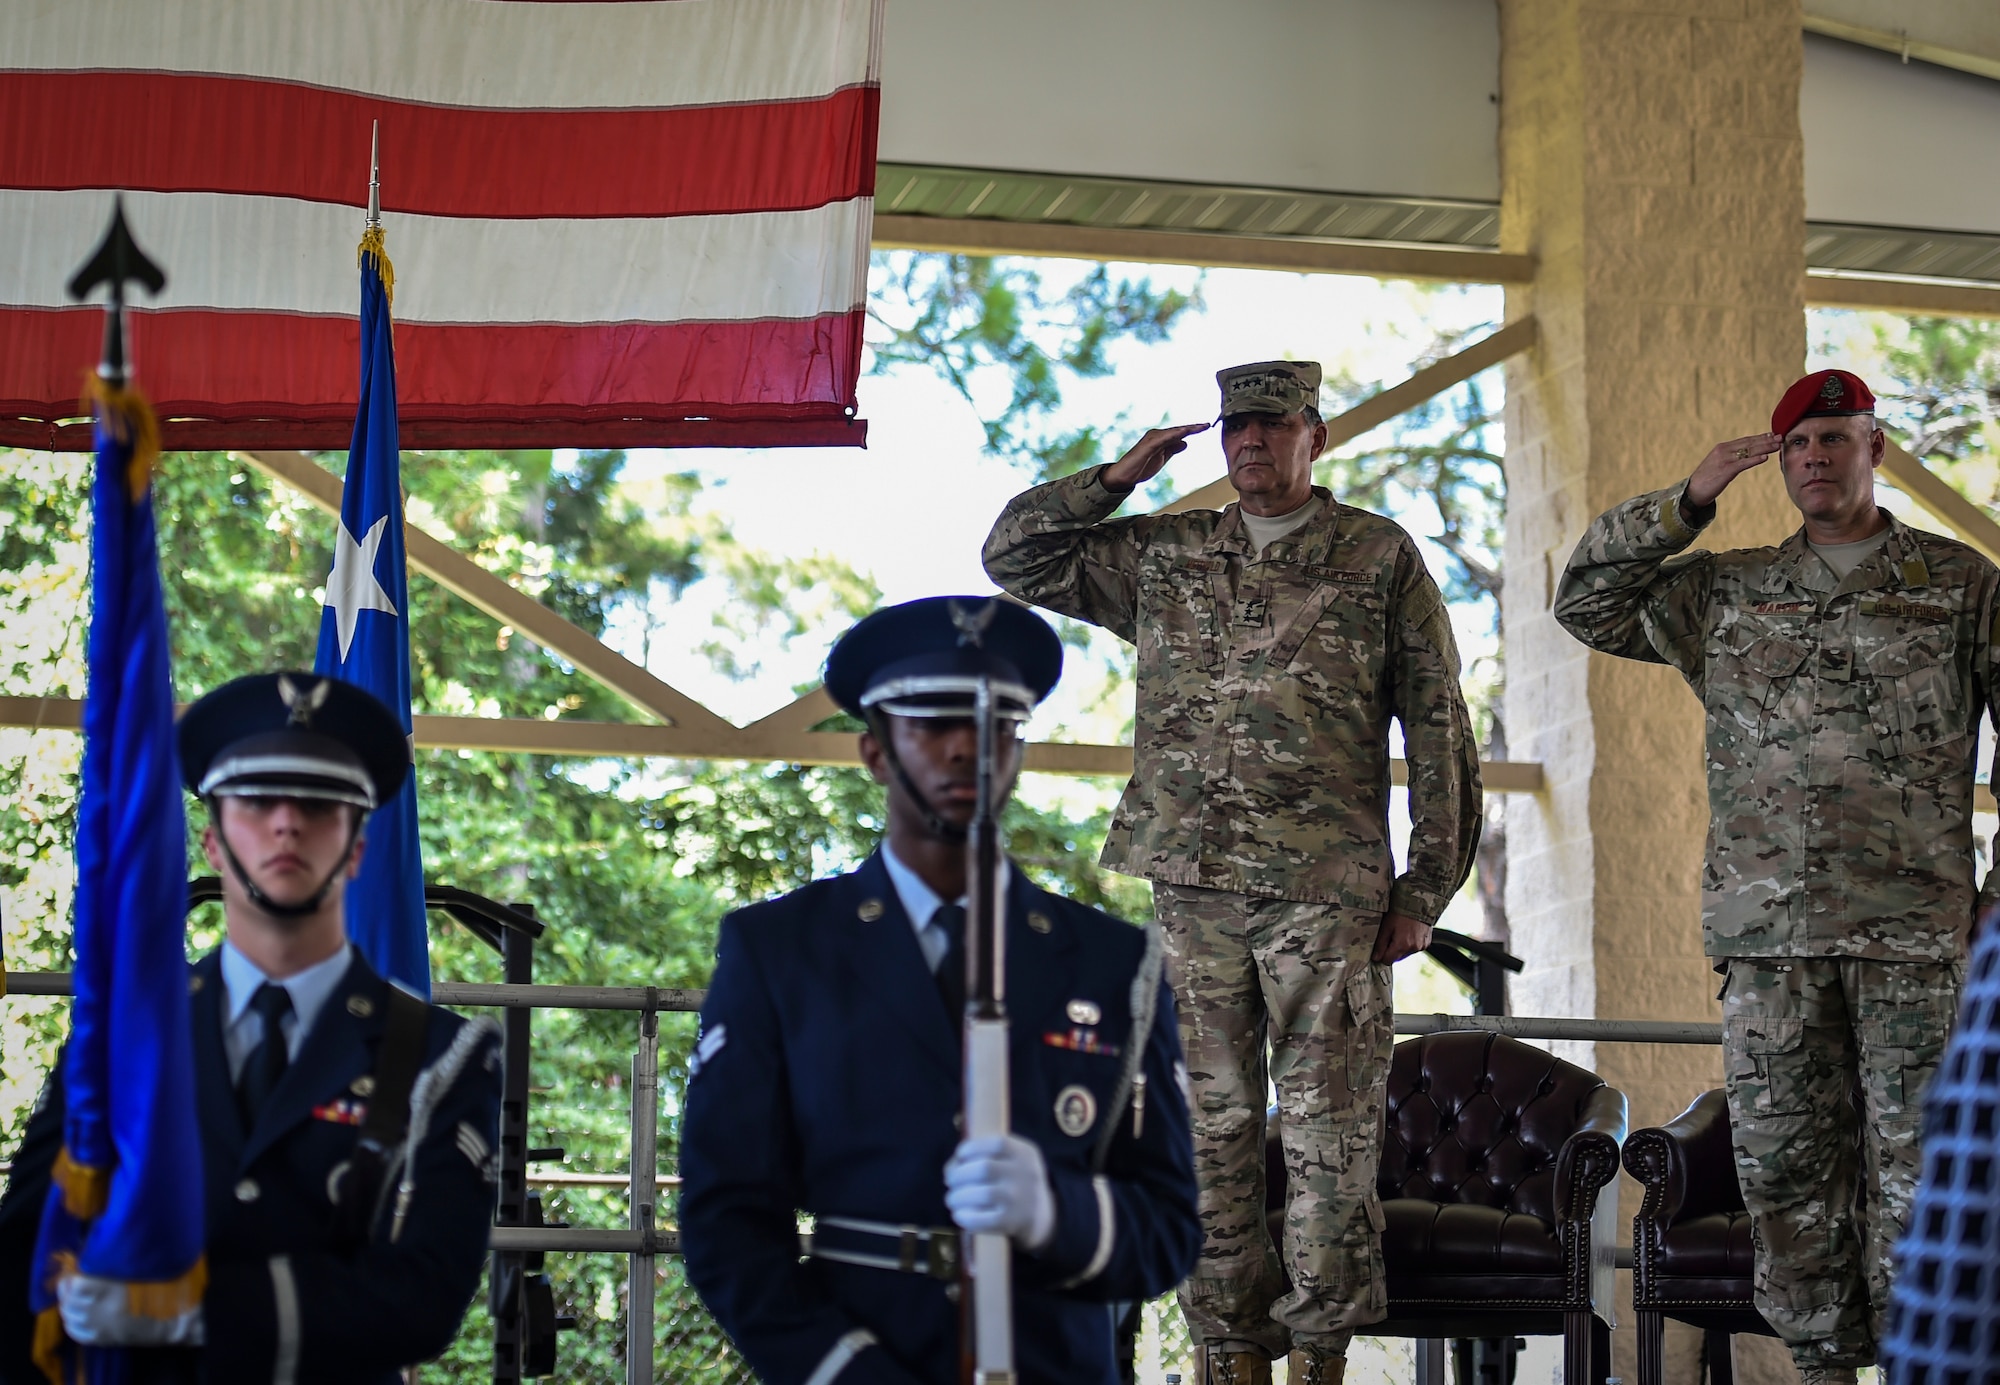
(920, 901)
(243, 1028)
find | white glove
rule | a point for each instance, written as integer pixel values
(95, 1314)
(1001, 1184)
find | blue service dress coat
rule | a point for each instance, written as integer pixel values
(285, 1302)
(827, 1081)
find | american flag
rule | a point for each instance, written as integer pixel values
(636, 223)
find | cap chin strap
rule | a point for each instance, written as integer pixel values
(946, 831)
(309, 905)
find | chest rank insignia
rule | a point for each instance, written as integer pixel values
(1080, 1041)
(1076, 1110)
(341, 1111)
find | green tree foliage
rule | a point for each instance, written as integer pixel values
(997, 332)
(632, 864)
(1942, 396)
(1440, 464)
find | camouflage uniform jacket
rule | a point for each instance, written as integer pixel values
(1842, 723)
(1266, 686)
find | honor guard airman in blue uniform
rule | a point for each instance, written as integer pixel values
(827, 1079)
(348, 1128)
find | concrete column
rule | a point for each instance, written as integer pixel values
(1652, 160)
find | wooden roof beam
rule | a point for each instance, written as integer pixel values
(461, 576)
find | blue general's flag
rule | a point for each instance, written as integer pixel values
(127, 1200)
(364, 637)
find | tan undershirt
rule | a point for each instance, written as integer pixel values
(1843, 558)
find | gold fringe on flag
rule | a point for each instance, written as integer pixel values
(130, 420)
(49, 1343)
(162, 1300)
(373, 244)
(86, 1189)
(167, 1299)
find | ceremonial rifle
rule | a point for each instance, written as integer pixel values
(986, 1270)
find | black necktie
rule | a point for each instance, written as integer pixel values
(950, 921)
(265, 1067)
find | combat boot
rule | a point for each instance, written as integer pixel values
(1311, 1366)
(1219, 1367)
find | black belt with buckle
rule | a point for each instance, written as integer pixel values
(927, 1250)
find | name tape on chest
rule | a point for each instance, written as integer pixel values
(1784, 608)
(1346, 576)
(1907, 610)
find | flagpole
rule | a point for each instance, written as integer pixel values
(375, 177)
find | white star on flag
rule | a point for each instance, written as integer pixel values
(352, 588)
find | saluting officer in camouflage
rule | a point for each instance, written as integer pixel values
(1844, 673)
(1277, 638)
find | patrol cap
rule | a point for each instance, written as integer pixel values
(294, 735)
(1269, 387)
(1822, 394)
(925, 659)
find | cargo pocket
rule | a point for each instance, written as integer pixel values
(1761, 1058)
(1916, 703)
(1904, 1044)
(1370, 1029)
(1747, 681)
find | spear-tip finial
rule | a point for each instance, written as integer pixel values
(375, 176)
(118, 260)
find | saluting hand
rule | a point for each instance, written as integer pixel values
(1725, 462)
(1143, 461)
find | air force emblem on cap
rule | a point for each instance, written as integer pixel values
(971, 625)
(302, 705)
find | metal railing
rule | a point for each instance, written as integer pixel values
(644, 1239)
(664, 1000)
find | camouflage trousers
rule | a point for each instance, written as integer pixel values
(1252, 974)
(1826, 1060)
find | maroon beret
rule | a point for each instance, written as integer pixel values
(1821, 394)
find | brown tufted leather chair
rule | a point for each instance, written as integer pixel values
(1493, 1156)
(1691, 1240)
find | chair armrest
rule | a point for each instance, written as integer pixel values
(1588, 1159)
(1686, 1166)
